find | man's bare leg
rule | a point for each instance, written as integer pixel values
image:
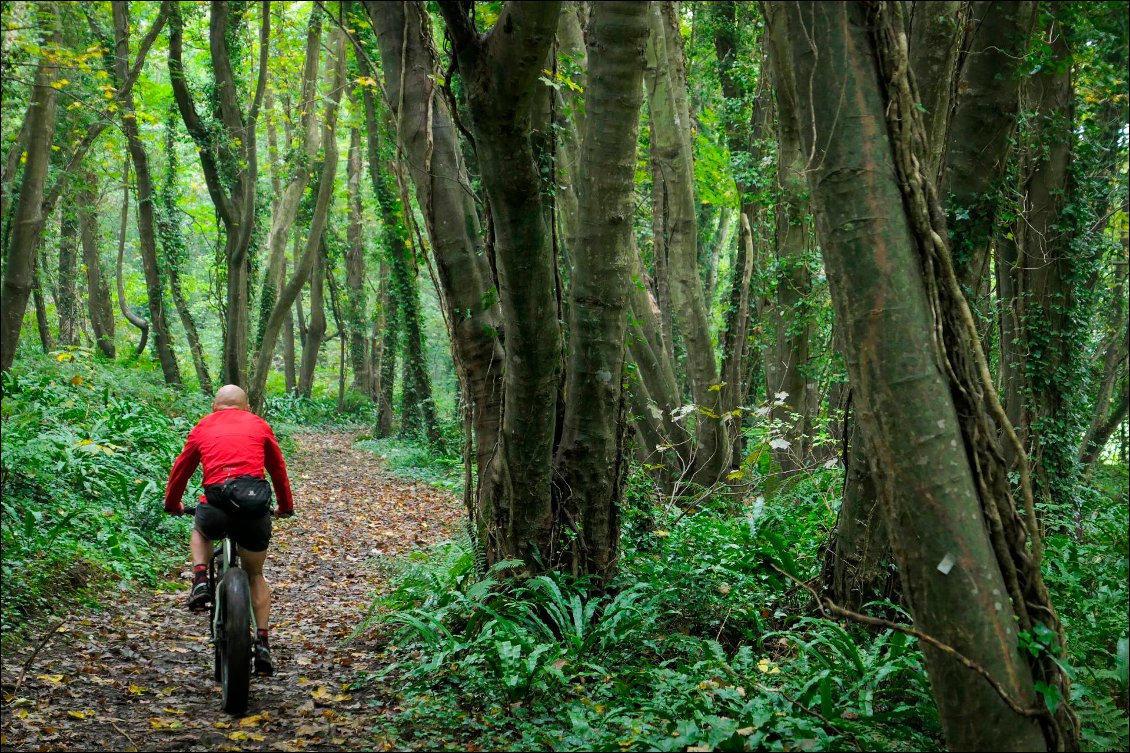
(260, 591)
(201, 548)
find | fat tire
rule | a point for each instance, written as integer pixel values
(235, 643)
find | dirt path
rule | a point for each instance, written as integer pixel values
(136, 675)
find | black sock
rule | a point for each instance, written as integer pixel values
(263, 639)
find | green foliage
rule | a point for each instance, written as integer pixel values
(87, 448)
(294, 411)
(414, 461)
(696, 645)
(1087, 565)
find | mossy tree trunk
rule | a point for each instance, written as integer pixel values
(100, 306)
(951, 577)
(19, 268)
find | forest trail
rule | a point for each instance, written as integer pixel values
(136, 674)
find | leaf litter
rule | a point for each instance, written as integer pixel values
(136, 674)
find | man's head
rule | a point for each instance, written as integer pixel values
(230, 396)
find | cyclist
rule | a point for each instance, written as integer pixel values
(231, 442)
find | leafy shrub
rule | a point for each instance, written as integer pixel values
(86, 450)
(696, 646)
(319, 412)
(1087, 565)
(413, 461)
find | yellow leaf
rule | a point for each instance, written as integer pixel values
(64, 357)
(80, 714)
(157, 722)
(662, 534)
(222, 725)
(53, 679)
(136, 689)
(77, 380)
(715, 387)
(240, 735)
(734, 475)
(251, 721)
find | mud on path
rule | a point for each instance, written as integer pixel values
(137, 673)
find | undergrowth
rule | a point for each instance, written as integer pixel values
(699, 645)
(410, 460)
(87, 446)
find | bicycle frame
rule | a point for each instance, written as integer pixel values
(228, 555)
(231, 643)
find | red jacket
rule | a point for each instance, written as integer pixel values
(229, 442)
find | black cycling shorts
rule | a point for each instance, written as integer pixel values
(252, 534)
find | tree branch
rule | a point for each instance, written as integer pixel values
(192, 119)
(126, 87)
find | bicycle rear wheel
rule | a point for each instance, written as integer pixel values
(235, 644)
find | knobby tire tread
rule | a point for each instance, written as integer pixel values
(236, 651)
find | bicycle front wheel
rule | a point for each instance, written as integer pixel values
(235, 647)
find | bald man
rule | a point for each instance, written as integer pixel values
(232, 442)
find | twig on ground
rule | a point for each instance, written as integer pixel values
(35, 652)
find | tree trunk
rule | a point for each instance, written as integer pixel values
(938, 38)
(858, 564)
(131, 316)
(146, 225)
(8, 177)
(356, 295)
(316, 327)
(418, 410)
(306, 266)
(979, 136)
(290, 375)
(172, 243)
(66, 297)
(335, 307)
(653, 389)
(1114, 371)
(99, 303)
(229, 158)
(950, 574)
(735, 338)
(721, 240)
(42, 324)
(392, 313)
(671, 140)
(19, 269)
(500, 71)
(427, 138)
(285, 210)
(570, 63)
(1047, 343)
(787, 384)
(591, 458)
(748, 118)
